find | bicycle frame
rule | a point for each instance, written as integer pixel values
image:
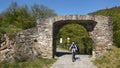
(73, 56)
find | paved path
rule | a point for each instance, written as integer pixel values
(82, 61)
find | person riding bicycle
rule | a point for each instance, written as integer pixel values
(73, 47)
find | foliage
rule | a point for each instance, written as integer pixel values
(116, 38)
(76, 33)
(111, 59)
(17, 17)
(37, 63)
(115, 14)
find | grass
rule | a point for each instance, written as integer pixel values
(111, 59)
(37, 63)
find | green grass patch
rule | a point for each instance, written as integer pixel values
(37, 63)
(111, 59)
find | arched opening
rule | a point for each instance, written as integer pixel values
(99, 29)
(88, 25)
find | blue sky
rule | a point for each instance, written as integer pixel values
(64, 7)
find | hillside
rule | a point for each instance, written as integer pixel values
(115, 14)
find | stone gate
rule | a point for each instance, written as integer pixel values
(41, 40)
(99, 29)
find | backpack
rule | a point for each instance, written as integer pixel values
(73, 46)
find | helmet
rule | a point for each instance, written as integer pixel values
(73, 42)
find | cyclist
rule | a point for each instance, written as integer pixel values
(73, 47)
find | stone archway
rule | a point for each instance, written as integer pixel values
(98, 27)
(87, 24)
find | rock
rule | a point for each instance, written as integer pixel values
(6, 49)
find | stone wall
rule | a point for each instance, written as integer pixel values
(40, 41)
(99, 29)
(7, 51)
(25, 42)
(31, 45)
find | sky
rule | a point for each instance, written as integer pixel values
(66, 7)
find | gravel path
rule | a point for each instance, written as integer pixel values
(65, 61)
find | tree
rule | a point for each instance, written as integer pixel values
(78, 34)
(22, 17)
(41, 11)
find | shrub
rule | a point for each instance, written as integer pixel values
(116, 38)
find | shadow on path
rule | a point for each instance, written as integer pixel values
(59, 54)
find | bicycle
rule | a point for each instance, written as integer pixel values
(73, 56)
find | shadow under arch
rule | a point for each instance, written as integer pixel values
(89, 25)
